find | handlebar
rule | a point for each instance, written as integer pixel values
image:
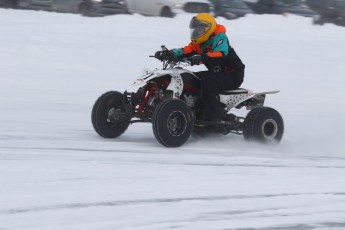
(173, 62)
(176, 60)
(170, 61)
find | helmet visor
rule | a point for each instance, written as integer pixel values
(198, 28)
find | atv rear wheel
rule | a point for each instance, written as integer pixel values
(263, 124)
(172, 122)
(109, 118)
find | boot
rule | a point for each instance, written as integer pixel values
(215, 114)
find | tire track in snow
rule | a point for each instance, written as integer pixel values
(268, 165)
(150, 201)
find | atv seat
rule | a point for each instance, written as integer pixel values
(234, 92)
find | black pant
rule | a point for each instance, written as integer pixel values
(212, 84)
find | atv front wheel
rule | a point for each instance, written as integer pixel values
(109, 118)
(172, 122)
(263, 124)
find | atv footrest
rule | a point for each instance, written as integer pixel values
(234, 92)
(210, 123)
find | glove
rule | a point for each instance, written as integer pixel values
(164, 55)
(159, 55)
(195, 60)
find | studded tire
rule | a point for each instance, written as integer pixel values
(263, 124)
(108, 116)
(172, 122)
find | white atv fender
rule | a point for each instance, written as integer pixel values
(176, 83)
(233, 98)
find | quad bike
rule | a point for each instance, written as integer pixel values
(169, 99)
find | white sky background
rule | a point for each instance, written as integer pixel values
(56, 173)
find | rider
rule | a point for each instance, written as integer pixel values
(210, 46)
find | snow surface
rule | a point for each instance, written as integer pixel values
(57, 173)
